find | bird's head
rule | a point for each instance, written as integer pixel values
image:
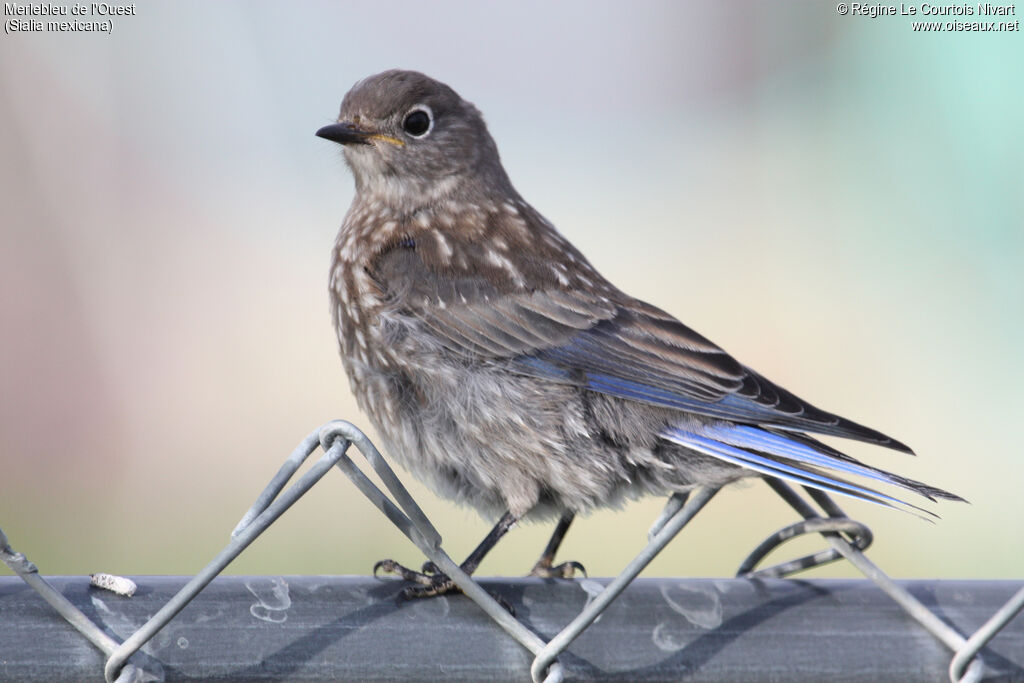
(412, 140)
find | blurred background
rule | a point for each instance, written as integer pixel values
(838, 201)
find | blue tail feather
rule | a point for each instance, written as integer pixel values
(777, 456)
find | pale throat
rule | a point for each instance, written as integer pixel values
(379, 182)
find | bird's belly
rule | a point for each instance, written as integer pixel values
(495, 440)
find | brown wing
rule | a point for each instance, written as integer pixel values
(596, 338)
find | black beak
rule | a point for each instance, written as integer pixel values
(344, 134)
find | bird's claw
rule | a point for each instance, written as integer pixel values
(566, 570)
(438, 584)
(429, 582)
(392, 567)
(442, 585)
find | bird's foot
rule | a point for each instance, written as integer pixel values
(429, 582)
(566, 570)
(426, 577)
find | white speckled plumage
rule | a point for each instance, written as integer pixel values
(502, 368)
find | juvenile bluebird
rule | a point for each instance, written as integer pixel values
(504, 371)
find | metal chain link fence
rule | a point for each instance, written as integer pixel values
(847, 538)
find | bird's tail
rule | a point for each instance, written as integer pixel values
(800, 459)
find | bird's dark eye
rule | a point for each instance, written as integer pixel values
(417, 123)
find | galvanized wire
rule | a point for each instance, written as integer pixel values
(911, 605)
(847, 538)
(239, 542)
(415, 525)
(858, 533)
(962, 669)
(663, 533)
(20, 565)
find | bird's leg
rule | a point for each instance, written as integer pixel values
(431, 581)
(566, 570)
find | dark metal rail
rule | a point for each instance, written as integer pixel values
(294, 628)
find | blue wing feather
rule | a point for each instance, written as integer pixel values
(663, 363)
